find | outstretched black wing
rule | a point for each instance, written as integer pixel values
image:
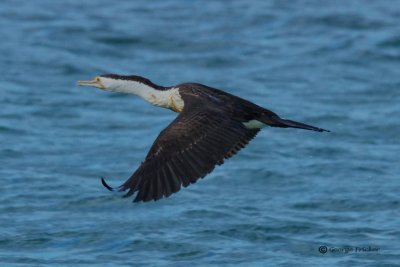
(188, 149)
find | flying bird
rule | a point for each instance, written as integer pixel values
(212, 126)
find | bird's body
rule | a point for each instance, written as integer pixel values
(212, 126)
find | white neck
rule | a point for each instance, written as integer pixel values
(128, 87)
(166, 99)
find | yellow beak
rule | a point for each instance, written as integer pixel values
(94, 83)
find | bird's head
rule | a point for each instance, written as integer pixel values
(131, 84)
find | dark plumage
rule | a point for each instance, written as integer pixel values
(135, 78)
(209, 130)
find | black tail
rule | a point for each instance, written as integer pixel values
(275, 121)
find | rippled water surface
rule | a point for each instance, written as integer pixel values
(334, 64)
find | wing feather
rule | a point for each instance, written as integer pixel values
(188, 149)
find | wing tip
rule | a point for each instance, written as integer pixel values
(138, 198)
(106, 185)
(323, 130)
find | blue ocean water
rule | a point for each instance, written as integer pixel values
(333, 64)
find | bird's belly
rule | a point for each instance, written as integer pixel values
(254, 124)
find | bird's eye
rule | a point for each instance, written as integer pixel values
(97, 79)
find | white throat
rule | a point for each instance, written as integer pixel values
(162, 98)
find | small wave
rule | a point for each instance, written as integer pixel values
(9, 130)
(117, 40)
